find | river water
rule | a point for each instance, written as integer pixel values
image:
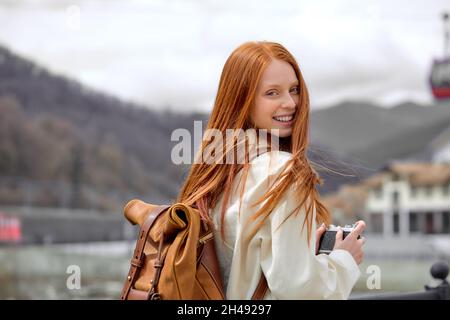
(98, 271)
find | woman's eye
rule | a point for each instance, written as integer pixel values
(273, 93)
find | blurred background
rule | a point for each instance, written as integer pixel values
(90, 92)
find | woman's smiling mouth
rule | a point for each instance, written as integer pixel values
(285, 120)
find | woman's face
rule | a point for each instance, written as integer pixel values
(277, 97)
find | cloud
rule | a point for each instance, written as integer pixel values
(171, 53)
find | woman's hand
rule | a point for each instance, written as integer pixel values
(351, 243)
(319, 233)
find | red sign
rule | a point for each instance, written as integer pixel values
(10, 229)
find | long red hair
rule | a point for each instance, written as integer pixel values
(235, 97)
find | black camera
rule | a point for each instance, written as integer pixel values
(328, 239)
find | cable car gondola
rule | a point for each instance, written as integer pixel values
(440, 71)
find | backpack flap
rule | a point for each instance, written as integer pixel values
(136, 211)
(179, 273)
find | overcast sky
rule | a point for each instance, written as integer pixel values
(170, 53)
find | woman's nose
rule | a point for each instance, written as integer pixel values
(289, 102)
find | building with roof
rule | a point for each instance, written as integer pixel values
(409, 198)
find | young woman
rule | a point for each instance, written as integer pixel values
(266, 207)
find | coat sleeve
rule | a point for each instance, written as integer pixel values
(291, 267)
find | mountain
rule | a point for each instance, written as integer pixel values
(116, 146)
(371, 135)
(106, 151)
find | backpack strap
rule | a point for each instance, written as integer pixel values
(137, 260)
(262, 286)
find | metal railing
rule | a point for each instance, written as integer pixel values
(439, 291)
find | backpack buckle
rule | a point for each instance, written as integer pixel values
(154, 296)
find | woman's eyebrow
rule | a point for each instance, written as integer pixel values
(277, 85)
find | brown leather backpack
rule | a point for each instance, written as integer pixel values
(175, 256)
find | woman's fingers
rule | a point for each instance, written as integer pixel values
(339, 234)
(319, 233)
(362, 240)
(351, 243)
(359, 229)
